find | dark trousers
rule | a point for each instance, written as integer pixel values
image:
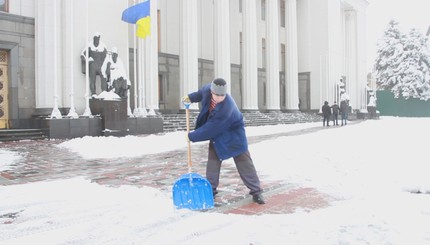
(344, 117)
(335, 121)
(244, 166)
(93, 72)
(326, 119)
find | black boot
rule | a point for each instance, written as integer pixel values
(258, 198)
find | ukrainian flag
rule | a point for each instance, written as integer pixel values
(139, 14)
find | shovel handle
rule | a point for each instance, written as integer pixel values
(187, 113)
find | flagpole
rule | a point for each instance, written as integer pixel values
(148, 44)
(87, 112)
(129, 113)
(72, 111)
(55, 111)
(136, 107)
(143, 111)
(134, 14)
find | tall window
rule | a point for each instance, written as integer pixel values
(263, 9)
(240, 6)
(159, 29)
(241, 47)
(282, 57)
(263, 49)
(160, 89)
(264, 93)
(282, 14)
(4, 5)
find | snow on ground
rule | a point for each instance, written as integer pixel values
(372, 169)
(8, 158)
(134, 146)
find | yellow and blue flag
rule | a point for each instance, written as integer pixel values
(139, 14)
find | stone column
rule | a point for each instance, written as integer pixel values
(249, 56)
(188, 53)
(361, 59)
(291, 76)
(222, 41)
(47, 71)
(272, 60)
(351, 57)
(151, 53)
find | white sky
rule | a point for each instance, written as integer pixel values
(409, 14)
(369, 170)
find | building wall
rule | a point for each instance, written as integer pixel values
(313, 38)
(355, 29)
(169, 26)
(321, 43)
(235, 29)
(17, 37)
(22, 8)
(304, 34)
(205, 22)
(322, 49)
(55, 32)
(170, 22)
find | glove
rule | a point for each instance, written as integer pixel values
(187, 138)
(186, 99)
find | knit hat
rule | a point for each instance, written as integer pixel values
(219, 86)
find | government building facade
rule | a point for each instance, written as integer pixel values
(276, 55)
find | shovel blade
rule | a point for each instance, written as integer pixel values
(192, 191)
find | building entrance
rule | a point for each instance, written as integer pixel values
(304, 91)
(4, 105)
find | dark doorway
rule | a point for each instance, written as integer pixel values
(304, 91)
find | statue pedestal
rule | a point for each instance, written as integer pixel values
(113, 114)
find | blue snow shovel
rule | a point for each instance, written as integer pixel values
(191, 190)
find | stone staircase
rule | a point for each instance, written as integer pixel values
(23, 134)
(274, 118)
(177, 122)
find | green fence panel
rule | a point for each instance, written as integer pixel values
(387, 105)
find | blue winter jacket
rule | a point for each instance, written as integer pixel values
(224, 126)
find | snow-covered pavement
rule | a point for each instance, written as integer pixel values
(373, 176)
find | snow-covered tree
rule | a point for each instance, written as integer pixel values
(388, 58)
(403, 63)
(414, 69)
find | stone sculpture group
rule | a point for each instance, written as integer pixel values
(107, 65)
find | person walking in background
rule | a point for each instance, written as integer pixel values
(344, 108)
(221, 122)
(326, 110)
(335, 110)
